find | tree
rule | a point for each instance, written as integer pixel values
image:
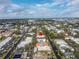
(77, 55)
(1, 38)
(67, 50)
(52, 35)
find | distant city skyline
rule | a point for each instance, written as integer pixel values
(38, 8)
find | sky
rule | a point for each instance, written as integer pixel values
(39, 8)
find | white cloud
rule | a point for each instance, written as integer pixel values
(73, 3)
(15, 6)
(72, 9)
(41, 10)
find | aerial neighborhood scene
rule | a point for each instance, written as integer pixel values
(39, 29)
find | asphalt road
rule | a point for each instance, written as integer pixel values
(53, 47)
(14, 46)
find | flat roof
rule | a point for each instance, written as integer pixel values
(5, 41)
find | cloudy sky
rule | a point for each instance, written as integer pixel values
(38, 8)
